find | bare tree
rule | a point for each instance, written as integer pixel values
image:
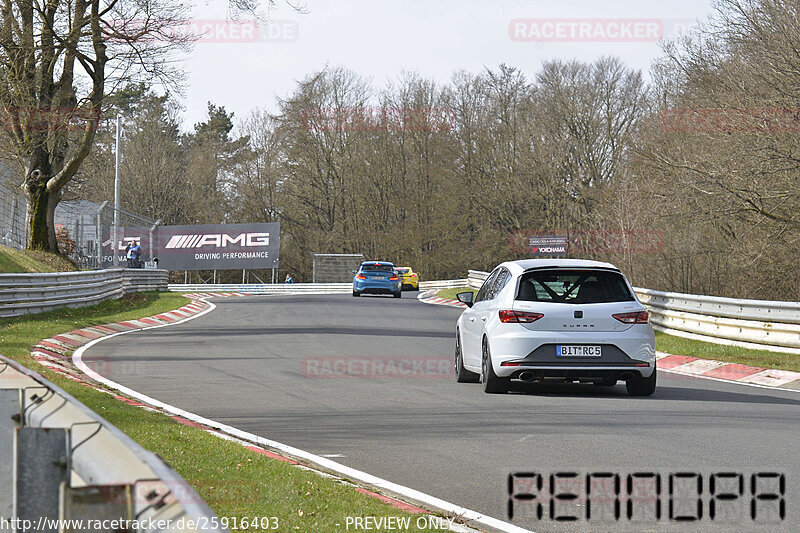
(725, 153)
(59, 60)
(257, 176)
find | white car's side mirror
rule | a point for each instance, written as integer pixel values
(466, 298)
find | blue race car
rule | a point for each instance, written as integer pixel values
(377, 277)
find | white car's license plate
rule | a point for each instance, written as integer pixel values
(577, 351)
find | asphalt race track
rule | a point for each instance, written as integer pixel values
(274, 366)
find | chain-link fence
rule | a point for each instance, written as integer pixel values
(12, 210)
(132, 228)
(85, 230)
(76, 229)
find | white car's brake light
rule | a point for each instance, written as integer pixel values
(637, 317)
(518, 317)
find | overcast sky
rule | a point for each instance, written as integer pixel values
(243, 67)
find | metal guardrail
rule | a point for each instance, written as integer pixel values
(442, 284)
(266, 288)
(69, 463)
(142, 280)
(296, 288)
(475, 278)
(34, 293)
(758, 324)
(761, 310)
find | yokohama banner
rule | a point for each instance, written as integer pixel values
(548, 245)
(218, 246)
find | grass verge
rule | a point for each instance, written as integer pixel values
(704, 350)
(236, 482)
(450, 294)
(14, 261)
(731, 354)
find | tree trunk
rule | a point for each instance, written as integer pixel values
(53, 197)
(40, 212)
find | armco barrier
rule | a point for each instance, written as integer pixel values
(444, 284)
(760, 324)
(33, 293)
(266, 288)
(62, 460)
(297, 288)
(757, 324)
(475, 278)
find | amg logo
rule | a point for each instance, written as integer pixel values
(218, 240)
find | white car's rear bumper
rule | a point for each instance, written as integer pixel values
(516, 349)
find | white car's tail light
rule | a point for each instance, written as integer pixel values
(518, 317)
(637, 317)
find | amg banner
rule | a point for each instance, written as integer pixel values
(218, 246)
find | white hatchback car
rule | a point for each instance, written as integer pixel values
(566, 320)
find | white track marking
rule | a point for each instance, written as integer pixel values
(326, 464)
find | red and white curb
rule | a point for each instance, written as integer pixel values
(55, 354)
(722, 371)
(693, 366)
(213, 294)
(429, 297)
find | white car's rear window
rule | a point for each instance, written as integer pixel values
(573, 286)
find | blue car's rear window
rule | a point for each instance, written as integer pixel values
(377, 268)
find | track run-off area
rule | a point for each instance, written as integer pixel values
(368, 383)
